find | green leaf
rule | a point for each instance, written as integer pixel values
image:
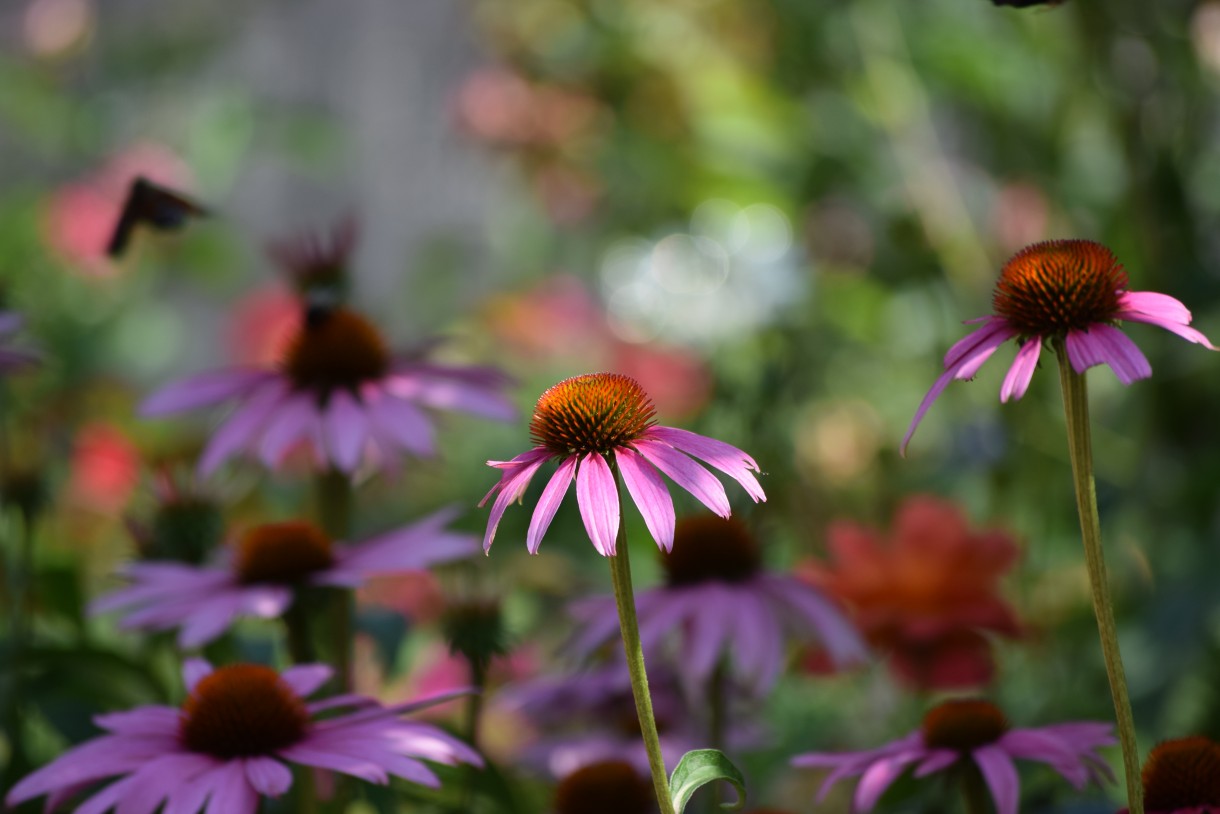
(700, 767)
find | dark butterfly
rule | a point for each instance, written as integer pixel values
(158, 207)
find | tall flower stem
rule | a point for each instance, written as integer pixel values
(1080, 445)
(334, 507)
(974, 790)
(717, 701)
(624, 600)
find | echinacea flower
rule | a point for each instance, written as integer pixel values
(268, 566)
(592, 422)
(927, 594)
(228, 745)
(14, 358)
(339, 390)
(975, 735)
(1182, 776)
(720, 602)
(1061, 291)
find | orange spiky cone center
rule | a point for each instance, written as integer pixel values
(595, 412)
(708, 548)
(1182, 773)
(242, 710)
(283, 553)
(1050, 288)
(963, 724)
(335, 349)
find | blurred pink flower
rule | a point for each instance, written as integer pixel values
(924, 594)
(416, 595)
(262, 326)
(502, 107)
(80, 216)
(105, 468)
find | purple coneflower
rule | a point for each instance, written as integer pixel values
(719, 600)
(591, 422)
(1182, 776)
(14, 358)
(268, 565)
(337, 389)
(227, 746)
(974, 735)
(1069, 291)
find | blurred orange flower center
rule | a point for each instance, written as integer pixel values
(282, 552)
(1050, 288)
(1182, 774)
(708, 548)
(610, 787)
(595, 412)
(963, 725)
(335, 349)
(242, 710)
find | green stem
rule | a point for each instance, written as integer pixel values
(974, 790)
(717, 701)
(334, 505)
(1080, 444)
(624, 600)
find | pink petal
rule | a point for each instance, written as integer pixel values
(268, 777)
(346, 429)
(597, 497)
(1162, 311)
(879, 777)
(202, 389)
(686, 473)
(232, 793)
(727, 458)
(1001, 776)
(1022, 370)
(1104, 344)
(318, 756)
(939, 759)
(650, 495)
(194, 671)
(242, 426)
(292, 422)
(549, 502)
(405, 423)
(512, 485)
(306, 679)
(1045, 747)
(961, 362)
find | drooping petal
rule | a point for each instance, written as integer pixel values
(1045, 747)
(346, 430)
(511, 486)
(1001, 777)
(232, 793)
(1162, 311)
(269, 777)
(937, 760)
(648, 491)
(202, 390)
(1104, 344)
(1016, 382)
(548, 503)
(597, 497)
(242, 426)
(879, 777)
(727, 458)
(402, 421)
(293, 420)
(686, 473)
(961, 362)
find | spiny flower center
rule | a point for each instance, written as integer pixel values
(963, 725)
(242, 710)
(1182, 773)
(610, 787)
(1050, 288)
(708, 548)
(592, 413)
(283, 553)
(335, 349)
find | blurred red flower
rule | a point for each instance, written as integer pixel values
(105, 468)
(262, 324)
(927, 594)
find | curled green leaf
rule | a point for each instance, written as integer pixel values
(700, 767)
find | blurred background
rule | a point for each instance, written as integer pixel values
(773, 213)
